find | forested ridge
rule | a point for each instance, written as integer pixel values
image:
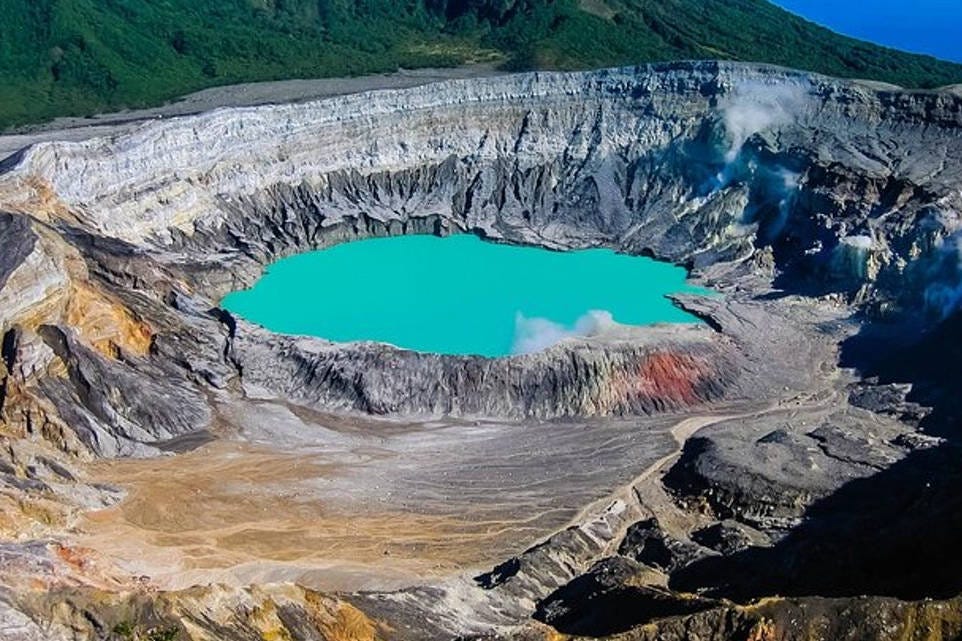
(78, 57)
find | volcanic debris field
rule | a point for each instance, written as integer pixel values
(786, 468)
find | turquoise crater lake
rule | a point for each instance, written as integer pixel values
(459, 294)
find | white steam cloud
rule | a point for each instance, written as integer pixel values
(786, 187)
(754, 107)
(851, 257)
(535, 334)
(945, 294)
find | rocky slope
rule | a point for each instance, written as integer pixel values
(825, 211)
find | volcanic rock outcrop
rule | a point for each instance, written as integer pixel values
(826, 213)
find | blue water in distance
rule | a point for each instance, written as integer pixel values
(921, 26)
(458, 295)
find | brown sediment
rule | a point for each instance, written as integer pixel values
(34, 197)
(19, 516)
(672, 377)
(339, 621)
(105, 324)
(229, 508)
(77, 558)
(251, 188)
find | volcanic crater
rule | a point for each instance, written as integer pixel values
(166, 461)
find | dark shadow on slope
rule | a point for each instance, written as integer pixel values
(927, 358)
(604, 602)
(892, 534)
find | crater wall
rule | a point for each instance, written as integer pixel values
(757, 178)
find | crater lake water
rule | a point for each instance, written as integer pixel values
(459, 294)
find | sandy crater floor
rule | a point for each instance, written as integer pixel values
(347, 504)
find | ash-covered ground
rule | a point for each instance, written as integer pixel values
(788, 469)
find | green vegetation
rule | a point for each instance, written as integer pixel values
(129, 631)
(78, 57)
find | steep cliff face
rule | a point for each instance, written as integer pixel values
(825, 212)
(838, 187)
(679, 369)
(687, 162)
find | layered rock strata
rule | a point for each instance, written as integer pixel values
(825, 212)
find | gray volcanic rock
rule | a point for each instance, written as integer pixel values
(604, 601)
(729, 537)
(109, 407)
(768, 477)
(17, 241)
(658, 371)
(672, 161)
(890, 399)
(819, 209)
(647, 543)
(666, 160)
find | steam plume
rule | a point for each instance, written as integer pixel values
(535, 334)
(944, 294)
(754, 107)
